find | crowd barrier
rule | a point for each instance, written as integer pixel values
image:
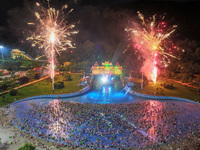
(158, 97)
(82, 91)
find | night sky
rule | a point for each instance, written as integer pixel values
(184, 13)
(5, 5)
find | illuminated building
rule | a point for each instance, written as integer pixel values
(106, 69)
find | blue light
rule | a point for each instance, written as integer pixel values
(109, 89)
(104, 89)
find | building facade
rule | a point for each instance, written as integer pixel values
(106, 68)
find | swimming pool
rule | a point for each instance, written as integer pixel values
(107, 119)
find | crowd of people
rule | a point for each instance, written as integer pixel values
(145, 124)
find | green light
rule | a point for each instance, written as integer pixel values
(106, 65)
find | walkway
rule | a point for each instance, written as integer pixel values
(187, 84)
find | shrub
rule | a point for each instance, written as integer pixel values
(37, 76)
(27, 146)
(168, 85)
(59, 85)
(13, 92)
(3, 87)
(68, 77)
(23, 80)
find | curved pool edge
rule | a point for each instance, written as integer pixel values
(126, 88)
(80, 92)
(154, 97)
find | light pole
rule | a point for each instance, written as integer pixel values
(1, 47)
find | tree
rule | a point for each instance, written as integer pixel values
(59, 85)
(188, 57)
(12, 66)
(27, 146)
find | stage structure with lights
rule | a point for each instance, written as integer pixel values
(151, 38)
(106, 71)
(53, 33)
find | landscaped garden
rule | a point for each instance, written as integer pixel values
(167, 87)
(44, 87)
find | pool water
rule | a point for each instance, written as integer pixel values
(107, 119)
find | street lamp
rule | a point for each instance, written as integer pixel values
(1, 47)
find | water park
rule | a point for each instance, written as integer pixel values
(99, 75)
(106, 113)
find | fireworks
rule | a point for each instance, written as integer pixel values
(150, 38)
(52, 25)
(53, 33)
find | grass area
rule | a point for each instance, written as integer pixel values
(179, 90)
(43, 88)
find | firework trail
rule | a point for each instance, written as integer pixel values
(151, 38)
(52, 32)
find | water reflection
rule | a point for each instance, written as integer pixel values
(107, 95)
(164, 121)
(156, 120)
(108, 125)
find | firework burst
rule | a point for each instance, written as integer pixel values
(52, 25)
(150, 38)
(52, 32)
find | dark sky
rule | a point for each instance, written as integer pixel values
(5, 5)
(184, 13)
